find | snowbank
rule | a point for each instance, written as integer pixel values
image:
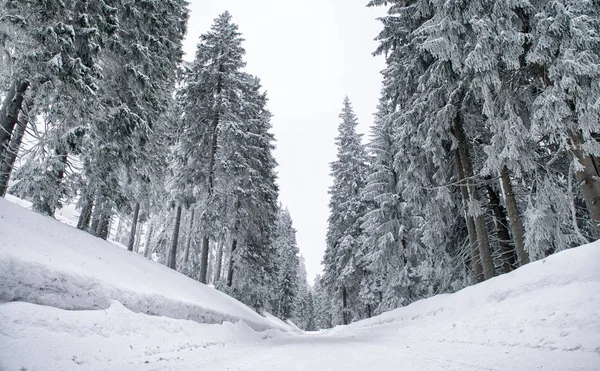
(43, 261)
(552, 304)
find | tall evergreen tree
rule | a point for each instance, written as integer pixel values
(347, 208)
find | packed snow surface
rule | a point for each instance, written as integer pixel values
(43, 261)
(544, 316)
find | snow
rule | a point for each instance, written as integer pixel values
(543, 316)
(43, 261)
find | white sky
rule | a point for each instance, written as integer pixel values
(309, 55)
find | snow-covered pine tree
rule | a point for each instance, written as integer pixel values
(140, 67)
(247, 158)
(225, 152)
(564, 56)
(211, 96)
(322, 305)
(304, 316)
(342, 273)
(385, 227)
(64, 76)
(285, 297)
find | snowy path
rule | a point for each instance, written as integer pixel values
(44, 338)
(324, 352)
(69, 301)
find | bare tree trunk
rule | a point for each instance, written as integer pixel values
(589, 176)
(147, 248)
(211, 263)
(231, 263)
(218, 262)
(86, 214)
(138, 237)
(204, 259)
(134, 222)
(119, 229)
(344, 307)
(8, 162)
(516, 224)
(104, 225)
(9, 113)
(482, 237)
(173, 253)
(186, 256)
(473, 245)
(508, 257)
(96, 215)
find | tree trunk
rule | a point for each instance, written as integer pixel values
(211, 263)
(344, 307)
(508, 258)
(10, 157)
(218, 262)
(86, 214)
(231, 261)
(134, 222)
(186, 256)
(589, 176)
(9, 113)
(119, 229)
(147, 248)
(173, 253)
(484, 247)
(516, 224)
(96, 216)
(204, 259)
(138, 238)
(473, 245)
(104, 225)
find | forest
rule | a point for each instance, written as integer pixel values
(481, 158)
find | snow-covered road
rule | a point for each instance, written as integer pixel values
(431, 335)
(69, 301)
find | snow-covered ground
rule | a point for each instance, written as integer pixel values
(94, 296)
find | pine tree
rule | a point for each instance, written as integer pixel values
(347, 208)
(285, 299)
(226, 160)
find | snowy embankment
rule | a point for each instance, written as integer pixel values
(43, 261)
(544, 316)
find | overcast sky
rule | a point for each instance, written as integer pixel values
(309, 55)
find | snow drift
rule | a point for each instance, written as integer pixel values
(43, 261)
(543, 316)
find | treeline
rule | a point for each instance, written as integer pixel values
(483, 157)
(178, 155)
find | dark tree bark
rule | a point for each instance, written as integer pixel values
(104, 225)
(516, 224)
(188, 245)
(344, 306)
(8, 162)
(173, 252)
(231, 263)
(134, 222)
(482, 237)
(9, 113)
(508, 257)
(204, 260)
(86, 213)
(589, 177)
(473, 244)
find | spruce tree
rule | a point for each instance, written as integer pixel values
(347, 208)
